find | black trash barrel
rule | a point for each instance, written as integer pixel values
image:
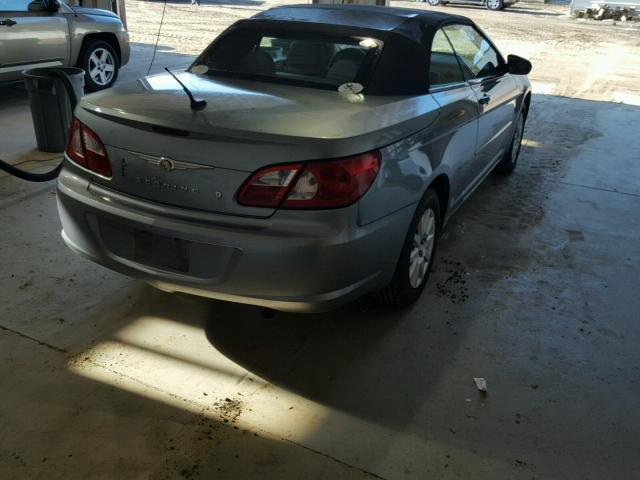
(50, 105)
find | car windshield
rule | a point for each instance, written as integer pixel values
(301, 58)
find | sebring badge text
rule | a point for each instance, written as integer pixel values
(154, 182)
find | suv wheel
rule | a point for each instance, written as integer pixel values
(434, 3)
(417, 255)
(100, 62)
(495, 4)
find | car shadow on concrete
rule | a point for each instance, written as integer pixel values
(57, 423)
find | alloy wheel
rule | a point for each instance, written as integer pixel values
(102, 66)
(422, 248)
(517, 139)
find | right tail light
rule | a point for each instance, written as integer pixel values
(313, 185)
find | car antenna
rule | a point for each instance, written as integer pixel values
(195, 103)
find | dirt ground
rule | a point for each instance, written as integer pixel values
(535, 288)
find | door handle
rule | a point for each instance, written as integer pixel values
(484, 100)
(8, 22)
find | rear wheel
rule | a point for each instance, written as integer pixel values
(495, 4)
(417, 255)
(510, 159)
(435, 3)
(100, 62)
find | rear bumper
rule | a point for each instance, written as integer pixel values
(292, 261)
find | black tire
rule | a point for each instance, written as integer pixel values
(434, 3)
(400, 293)
(494, 5)
(86, 61)
(510, 159)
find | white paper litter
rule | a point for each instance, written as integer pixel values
(481, 383)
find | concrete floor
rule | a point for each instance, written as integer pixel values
(535, 289)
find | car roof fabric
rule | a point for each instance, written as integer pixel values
(383, 19)
(403, 66)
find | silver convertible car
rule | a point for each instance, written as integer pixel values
(310, 155)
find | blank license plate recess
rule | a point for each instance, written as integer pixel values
(157, 250)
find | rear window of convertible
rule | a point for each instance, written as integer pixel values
(309, 59)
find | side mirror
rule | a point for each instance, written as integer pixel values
(37, 6)
(518, 65)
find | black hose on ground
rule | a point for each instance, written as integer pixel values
(30, 176)
(51, 174)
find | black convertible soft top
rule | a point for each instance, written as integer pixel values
(399, 20)
(403, 66)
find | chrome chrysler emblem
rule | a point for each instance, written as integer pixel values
(168, 164)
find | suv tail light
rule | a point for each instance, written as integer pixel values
(324, 184)
(85, 148)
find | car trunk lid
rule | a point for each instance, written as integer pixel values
(163, 151)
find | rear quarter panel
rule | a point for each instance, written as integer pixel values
(409, 166)
(445, 146)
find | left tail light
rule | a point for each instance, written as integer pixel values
(85, 148)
